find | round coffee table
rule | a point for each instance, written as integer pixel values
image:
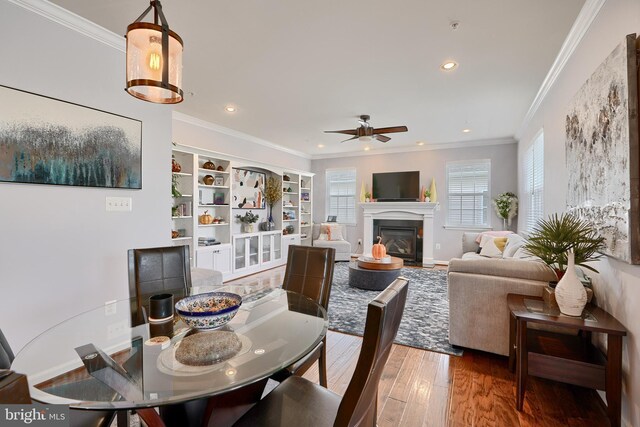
(374, 275)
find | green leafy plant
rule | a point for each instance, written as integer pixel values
(427, 194)
(248, 218)
(367, 195)
(506, 206)
(552, 238)
(174, 186)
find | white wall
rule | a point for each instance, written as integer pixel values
(431, 164)
(60, 252)
(617, 287)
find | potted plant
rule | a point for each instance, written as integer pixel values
(367, 196)
(174, 186)
(506, 206)
(427, 196)
(552, 238)
(247, 221)
(272, 195)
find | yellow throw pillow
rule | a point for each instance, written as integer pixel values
(500, 243)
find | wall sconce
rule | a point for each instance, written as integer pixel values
(154, 59)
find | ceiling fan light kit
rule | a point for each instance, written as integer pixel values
(154, 59)
(366, 133)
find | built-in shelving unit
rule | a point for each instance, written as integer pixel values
(182, 229)
(208, 219)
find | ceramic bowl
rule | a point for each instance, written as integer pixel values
(210, 310)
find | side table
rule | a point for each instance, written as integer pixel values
(567, 358)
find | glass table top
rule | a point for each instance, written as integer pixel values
(272, 329)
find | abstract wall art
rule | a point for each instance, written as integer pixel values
(248, 189)
(602, 154)
(48, 141)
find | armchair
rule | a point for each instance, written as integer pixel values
(341, 245)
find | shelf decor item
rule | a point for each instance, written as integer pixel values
(367, 197)
(154, 59)
(506, 207)
(379, 250)
(272, 195)
(49, 141)
(427, 196)
(205, 218)
(247, 220)
(174, 186)
(175, 166)
(552, 238)
(434, 192)
(248, 189)
(571, 295)
(207, 180)
(209, 165)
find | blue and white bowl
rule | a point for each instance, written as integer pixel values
(210, 310)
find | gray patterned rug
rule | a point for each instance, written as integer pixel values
(425, 323)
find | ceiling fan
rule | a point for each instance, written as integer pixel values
(366, 133)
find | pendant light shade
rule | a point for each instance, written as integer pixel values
(154, 59)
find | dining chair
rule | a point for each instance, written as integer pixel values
(309, 272)
(297, 401)
(156, 271)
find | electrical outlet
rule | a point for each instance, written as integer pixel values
(119, 204)
(359, 242)
(437, 246)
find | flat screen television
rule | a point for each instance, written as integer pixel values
(396, 186)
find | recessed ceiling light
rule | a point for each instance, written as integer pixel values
(449, 65)
(367, 148)
(230, 109)
(467, 130)
(420, 143)
(320, 145)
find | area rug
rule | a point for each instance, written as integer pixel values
(425, 323)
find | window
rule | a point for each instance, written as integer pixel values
(341, 194)
(533, 200)
(468, 189)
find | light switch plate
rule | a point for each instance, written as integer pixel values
(119, 204)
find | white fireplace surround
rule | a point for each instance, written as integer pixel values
(401, 211)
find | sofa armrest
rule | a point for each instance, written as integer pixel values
(507, 267)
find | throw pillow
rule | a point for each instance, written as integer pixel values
(335, 232)
(514, 242)
(492, 233)
(522, 253)
(492, 246)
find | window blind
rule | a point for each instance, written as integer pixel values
(534, 183)
(341, 194)
(468, 189)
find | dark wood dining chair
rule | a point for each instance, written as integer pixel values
(310, 273)
(297, 401)
(156, 271)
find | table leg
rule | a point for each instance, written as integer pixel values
(521, 366)
(512, 342)
(614, 378)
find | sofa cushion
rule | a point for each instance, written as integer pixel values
(492, 247)
(341, 246)
(508, 267)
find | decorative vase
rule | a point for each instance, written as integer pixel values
(570, 293)
(247, 227)
(367, 200)
(427, 199)
(433, 191)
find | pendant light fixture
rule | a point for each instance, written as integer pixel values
(154, 59)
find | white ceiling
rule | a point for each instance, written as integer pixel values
(295, 68)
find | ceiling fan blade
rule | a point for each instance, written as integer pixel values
(346, 132)
(355, 137)
(381, 138)
(391, 129)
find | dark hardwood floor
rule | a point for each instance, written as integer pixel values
(423, 388)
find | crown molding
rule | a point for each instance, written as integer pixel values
(62, 16)
(430, 147)
(587, 14)
(185, 118)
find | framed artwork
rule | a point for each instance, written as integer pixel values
(304, 197)
(602, 153)
(332, 218)
(218, 181)
(248, 189)
(218, 199)
(48, 141)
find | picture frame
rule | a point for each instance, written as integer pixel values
(248, 189)
(304, 197)
(332, 218)
(218, 198)
(218, 181)
(45, 140)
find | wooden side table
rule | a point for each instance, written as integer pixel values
(567, 358)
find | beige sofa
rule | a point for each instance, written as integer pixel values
(478, 288)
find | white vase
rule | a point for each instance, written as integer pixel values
(570, 293)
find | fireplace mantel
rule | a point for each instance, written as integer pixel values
(401, 211)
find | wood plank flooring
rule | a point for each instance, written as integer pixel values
(424, 388)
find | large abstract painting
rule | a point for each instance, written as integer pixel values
(248, 189)
(48, 141)
(602, 152)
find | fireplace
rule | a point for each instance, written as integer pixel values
(402, 238)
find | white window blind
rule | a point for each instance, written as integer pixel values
(341, 194)
(534, 183)
(468, 189)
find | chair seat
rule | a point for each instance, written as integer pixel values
(339, 245)
(295, 402)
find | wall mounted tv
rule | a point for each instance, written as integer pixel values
(396, 186)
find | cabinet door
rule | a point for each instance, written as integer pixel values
(277, 247)
(267, 244)
(204, 259)
(222, 260)
(286, 242)
(254, 250)
(240, 252)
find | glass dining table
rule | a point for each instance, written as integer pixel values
(103, 360)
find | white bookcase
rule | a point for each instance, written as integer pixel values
(236, 253)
